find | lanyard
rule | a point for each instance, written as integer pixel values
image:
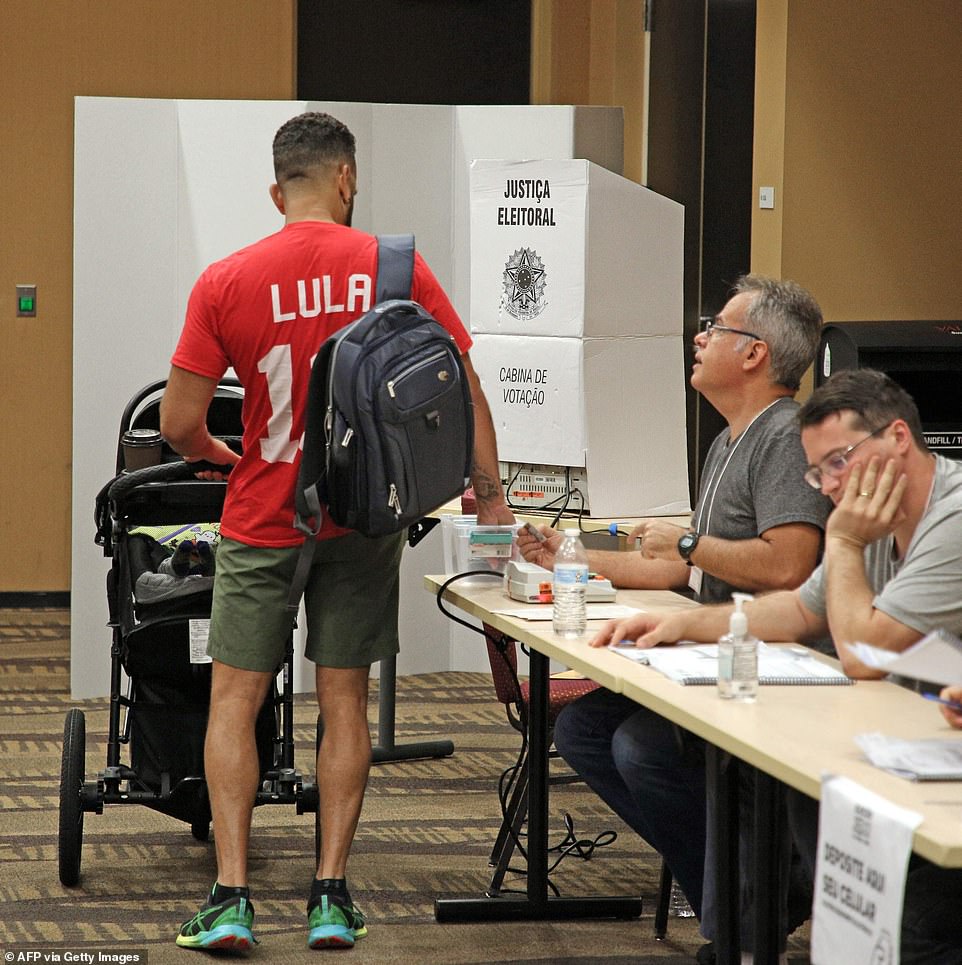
(719, 471)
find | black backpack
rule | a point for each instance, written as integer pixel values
(389, 433)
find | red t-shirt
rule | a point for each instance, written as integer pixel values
(265, 310)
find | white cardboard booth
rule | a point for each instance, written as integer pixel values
(576, 310)
(164, 187)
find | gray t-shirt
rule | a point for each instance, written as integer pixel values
(923, 590)
(753, 483)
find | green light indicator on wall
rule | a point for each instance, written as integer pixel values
(27, 301)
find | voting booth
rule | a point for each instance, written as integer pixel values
(164, 187)
(576, 313)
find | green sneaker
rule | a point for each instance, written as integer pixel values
(226, 926)
(334, 924)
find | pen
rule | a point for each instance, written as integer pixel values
(941, 700)
(535, 532)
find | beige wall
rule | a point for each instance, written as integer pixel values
(857, 125)
(52, 51)
(592, 52)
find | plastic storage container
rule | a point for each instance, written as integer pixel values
(469, 547)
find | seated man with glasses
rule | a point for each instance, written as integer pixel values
(756, 527)
(892, 569)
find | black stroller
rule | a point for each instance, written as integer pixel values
(159, 677)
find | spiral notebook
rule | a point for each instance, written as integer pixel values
(697, 664)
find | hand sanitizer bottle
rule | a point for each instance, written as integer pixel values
(738, 656)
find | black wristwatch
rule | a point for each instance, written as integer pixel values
(686, 545)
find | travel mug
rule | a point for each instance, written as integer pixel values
(142, 448)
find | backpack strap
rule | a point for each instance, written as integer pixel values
(395, 274)
(395, 266)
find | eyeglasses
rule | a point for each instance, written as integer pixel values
(711, 327)
(835, 464)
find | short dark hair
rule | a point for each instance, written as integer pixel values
(873, 397)
(308, 141)
(788, 318)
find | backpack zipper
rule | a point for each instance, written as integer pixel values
(411, 368)
(329, 414)
(393, 501)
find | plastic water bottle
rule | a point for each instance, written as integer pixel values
(738, 656)
(570, 587)
(678, 906)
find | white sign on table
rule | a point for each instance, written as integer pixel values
(864, 843)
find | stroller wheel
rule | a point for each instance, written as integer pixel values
(200, 829)
(71, 806)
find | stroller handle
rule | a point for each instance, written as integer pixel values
(113, 494)
(165, 472)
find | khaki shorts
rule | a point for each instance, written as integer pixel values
(351, 601)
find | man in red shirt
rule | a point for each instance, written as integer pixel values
(265, 310)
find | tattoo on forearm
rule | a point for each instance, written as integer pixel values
(484, 486)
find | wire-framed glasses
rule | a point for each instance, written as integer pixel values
(711, 327)
(834, 464)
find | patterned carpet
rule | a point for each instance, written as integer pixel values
(426, 831)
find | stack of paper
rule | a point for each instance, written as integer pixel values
(936, 658)
(918, 760)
